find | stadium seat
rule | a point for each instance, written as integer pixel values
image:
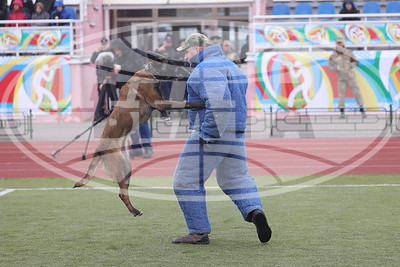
(371, 8)
(326, 8)
(393, 7)
(280, 9)
(303, 9)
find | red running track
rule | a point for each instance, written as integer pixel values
(272, 157)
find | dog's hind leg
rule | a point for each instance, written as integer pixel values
(124, 195)
(91, 170)
(118, 167)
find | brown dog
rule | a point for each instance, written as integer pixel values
(138, 98)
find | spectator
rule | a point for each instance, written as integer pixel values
(126, 62)
(17, 14)
(143, 133)
(228, 51)
(244, 50)
(349, 8)
(166, 48)
(100, 72)
(3, 10)
(48, 5)
(107, 89)
(343, 62)
(40, 13)
(60, 12)
(217, 142)
(28, 8)
(216, 40)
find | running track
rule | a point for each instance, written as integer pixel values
(276, 157)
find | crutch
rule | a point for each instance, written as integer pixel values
(54, 153)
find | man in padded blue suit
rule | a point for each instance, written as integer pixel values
(217, 143)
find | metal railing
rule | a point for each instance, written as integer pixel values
(274, 121)
(61, 39)
(324, 120)
(16, 124)
(294, 21)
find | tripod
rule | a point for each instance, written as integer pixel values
(107, 97)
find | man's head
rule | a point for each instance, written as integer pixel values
(39, 7)
(59, 5)
(168, 40)
(340, 41)
(216, 40)
(227, 46)
(193, 44)
(18, 5)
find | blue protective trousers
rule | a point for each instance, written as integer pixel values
(227, 156)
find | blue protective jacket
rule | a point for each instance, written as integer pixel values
(219, 83)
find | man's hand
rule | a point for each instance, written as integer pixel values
(203, 142)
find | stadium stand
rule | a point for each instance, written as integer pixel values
(326, 8)
(303, 9)
(371, 8)
(393, 7)
(280, 9)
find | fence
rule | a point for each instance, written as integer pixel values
(274, 121)
(12, 124)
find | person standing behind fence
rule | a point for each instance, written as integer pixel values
(61, 12)
(217, 143)
(343, 62)
(348, 7)
(126, 61)
(141, 142)
(100, 72)
(229, 53)
(17, 14)
(28, 8)
(40, 13)
(166, 50)
(48, 5)
(3, 10)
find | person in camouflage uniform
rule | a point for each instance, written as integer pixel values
(343, 62)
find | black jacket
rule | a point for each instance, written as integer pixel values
(130, 61)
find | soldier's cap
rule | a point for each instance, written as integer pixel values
(340, 40)
(195, 39)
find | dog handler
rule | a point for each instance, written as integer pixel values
(217, 143)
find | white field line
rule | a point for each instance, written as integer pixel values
(6, 191)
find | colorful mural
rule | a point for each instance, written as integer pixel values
(302, 80)
(39, 83)
(17, 39)
(323, 34)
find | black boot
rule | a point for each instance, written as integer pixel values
(342, 116)
(363, 115)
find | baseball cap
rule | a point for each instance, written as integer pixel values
(168, 38)
(195, 39)
(339, 39)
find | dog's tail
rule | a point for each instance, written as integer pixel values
(91, 170)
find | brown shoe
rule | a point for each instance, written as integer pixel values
(200, 239)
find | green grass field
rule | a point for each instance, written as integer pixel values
(312, 226)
